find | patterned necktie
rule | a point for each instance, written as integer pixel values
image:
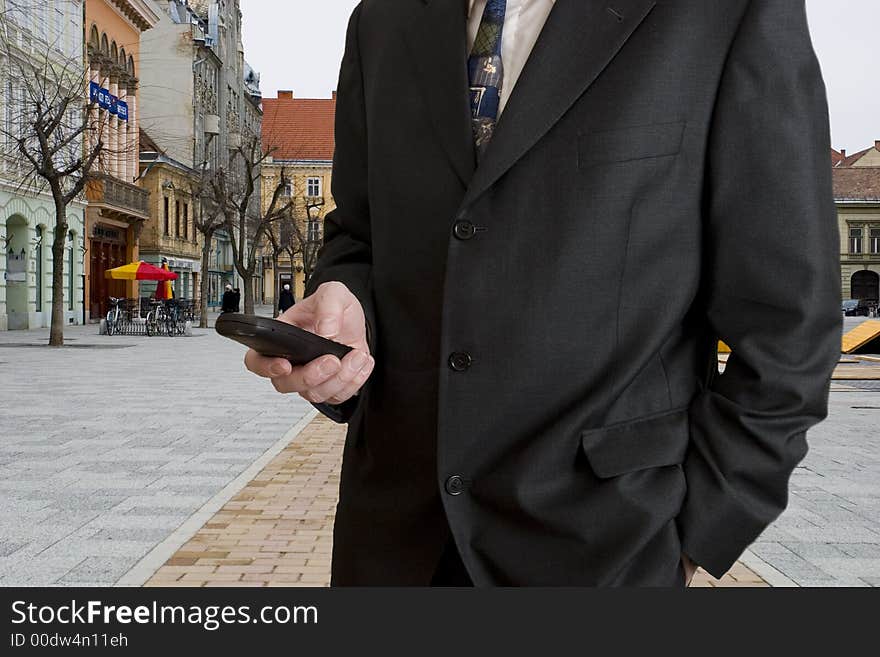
(486, 73)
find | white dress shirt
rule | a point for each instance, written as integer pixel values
(523, 22)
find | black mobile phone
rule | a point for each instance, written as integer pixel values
(277, 339)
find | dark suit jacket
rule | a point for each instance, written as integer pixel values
(545, 325)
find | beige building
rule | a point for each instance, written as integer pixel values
(857, 195)
(869, 157)
(201, 100)
(170, 233)
(299, 133)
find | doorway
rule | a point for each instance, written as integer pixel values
(866, 285)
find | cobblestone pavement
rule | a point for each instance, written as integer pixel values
(830, 534)
(96, 470)
(278, 530)
(108, 445)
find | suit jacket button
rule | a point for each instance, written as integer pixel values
(464, 230)
(455, 485)
(460, 362)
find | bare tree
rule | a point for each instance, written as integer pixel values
(208, 219)
(235, 191)
(280, 241)
(311, 241)
(52, 136)
(298, 234)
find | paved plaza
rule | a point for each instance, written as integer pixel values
(161, 461)
(110, 444)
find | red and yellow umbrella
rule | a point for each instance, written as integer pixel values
(140, 271)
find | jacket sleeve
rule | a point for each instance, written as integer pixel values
(771, 253)
(346, 253)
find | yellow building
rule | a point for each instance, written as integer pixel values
(117, 207)
(299, 134)
(857, 195)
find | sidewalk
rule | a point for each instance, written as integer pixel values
(278, 530)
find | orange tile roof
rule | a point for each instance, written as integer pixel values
(836, 157)
(299, 128)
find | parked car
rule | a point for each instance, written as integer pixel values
(856, 308)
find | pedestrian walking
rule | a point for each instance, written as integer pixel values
(286, 299)
(236, 302)
(228, 304)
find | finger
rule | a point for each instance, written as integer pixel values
(266, 366)
(351, 367)
(307, 377)
(356, 384)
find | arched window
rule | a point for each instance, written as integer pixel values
(105, 47)
(114, 53)
(94, 38)
(123, 60)
(131, 65)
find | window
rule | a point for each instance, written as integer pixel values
(39, 257)
(855, 240)
(875, 239)
(314, 231)
(288, 189)
(167, 217)
(70, 273)
(176, 218)
(58, 28)
(186, 220)
(74, 29)
(313, 187)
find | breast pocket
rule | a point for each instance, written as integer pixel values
(627, 144)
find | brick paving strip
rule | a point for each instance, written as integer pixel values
(278, 530)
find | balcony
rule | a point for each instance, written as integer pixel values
(118, 199)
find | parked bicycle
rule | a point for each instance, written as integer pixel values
(166, 318)
(116, 316)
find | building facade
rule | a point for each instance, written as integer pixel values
(857, 195)
(170, 236)
(51, 30)
(299, 133)
(201, 101)
(118, 207)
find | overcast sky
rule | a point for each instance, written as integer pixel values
(298, 45)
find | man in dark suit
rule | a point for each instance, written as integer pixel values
(535, 298)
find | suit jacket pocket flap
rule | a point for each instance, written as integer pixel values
(634, 143)
(648, 442)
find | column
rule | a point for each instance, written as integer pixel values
(124, 146)
(114, 134)
(104, 119)
(133, 128)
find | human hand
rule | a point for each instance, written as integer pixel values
(690, 569)
(335, 313)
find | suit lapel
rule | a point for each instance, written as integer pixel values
(437, 37)
(578, 41)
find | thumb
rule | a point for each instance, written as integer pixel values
(329, 312)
